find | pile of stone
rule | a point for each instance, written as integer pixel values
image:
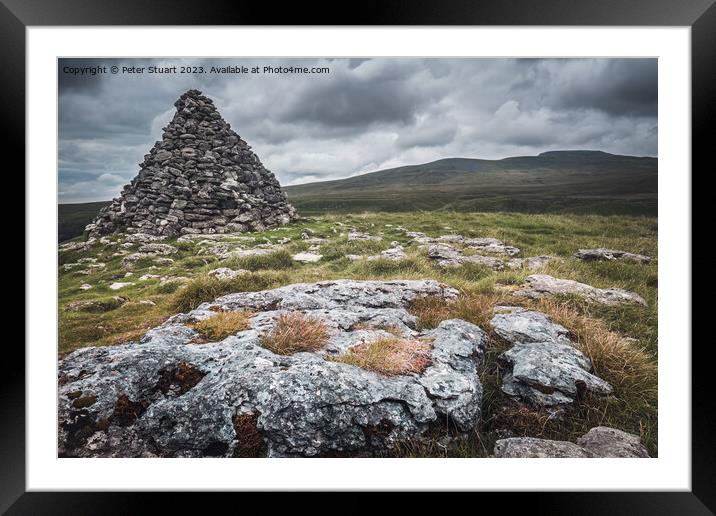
(200, 178)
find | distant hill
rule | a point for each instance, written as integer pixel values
(552, 182)
(72, 218)
(556, 181)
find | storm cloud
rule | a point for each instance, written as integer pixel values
(363, 115)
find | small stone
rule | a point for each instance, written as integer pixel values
(85, 286)
(157, 249)
(307, 257)
(118, 284)
(357, 235)
(531, 262)
(225, 273)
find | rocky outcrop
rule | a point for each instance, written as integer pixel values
(169, 396)
(602, 254)
(542, 368)
(481, 245)
(531, 262)
(393, 254)
(200, 178)
(448, 256)
(541, 285)
(598, 442)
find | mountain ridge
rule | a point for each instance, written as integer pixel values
(561, 181)
(570, 180)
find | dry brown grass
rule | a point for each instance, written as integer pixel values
(295, 332)
(472, 307)
(621, 362)
(389, 356)
(223, 324)
(629, 368)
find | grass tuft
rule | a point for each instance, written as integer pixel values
(280, 260)
(206, 288)
(390, 356)
(223, 324)
(473, 307)
(295, 332)
(168, 287)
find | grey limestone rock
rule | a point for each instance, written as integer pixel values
(448, 256)
(540, 285)
(542, 368)
(600, 441)
(225, 273)
(167, 396)
(516, 324)
(610, 442)
(531, 262)
(602, 254)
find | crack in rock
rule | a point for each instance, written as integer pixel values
(542, 368)
(183, 399)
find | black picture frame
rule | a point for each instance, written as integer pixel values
(700, 15)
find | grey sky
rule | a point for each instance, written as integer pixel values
(365, 115)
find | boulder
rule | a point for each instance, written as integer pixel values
(540, 285)
(357, 235)
(602, 254)
(447, 256)
(601, 441)
(610, 442)
(542, 368)
(516, 324)
(531, 262)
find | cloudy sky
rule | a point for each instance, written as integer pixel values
(365, 115)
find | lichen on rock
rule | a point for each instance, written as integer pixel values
(167, 396)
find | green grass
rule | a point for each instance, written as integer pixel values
(601, 329)
(279, 260)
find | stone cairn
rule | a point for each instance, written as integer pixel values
(201, 178)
